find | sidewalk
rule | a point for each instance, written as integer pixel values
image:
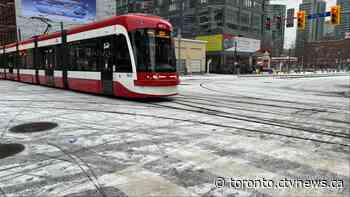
(280, 75)
(298, 75)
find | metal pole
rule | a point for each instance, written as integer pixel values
(235, 57)
(289, 53)
(302, 63)
(19, 34)
(179, 49)
(179, 36)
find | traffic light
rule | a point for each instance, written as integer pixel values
(268, 23)
(335, 15)
(290, 17)
(301, 20)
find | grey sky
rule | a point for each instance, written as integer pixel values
(291, 32)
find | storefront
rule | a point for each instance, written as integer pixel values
(193, 56)
(227, 52)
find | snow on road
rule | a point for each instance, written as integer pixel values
(277, 129)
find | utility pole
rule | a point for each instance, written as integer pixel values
(289, 53)
(263, 19)
(236, 58)
(179, 48)
(179, 36)
(19, 34)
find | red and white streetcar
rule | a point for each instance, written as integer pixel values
(129, 56)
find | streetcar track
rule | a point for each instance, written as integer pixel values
(230, 95)
(272, 122)
(257, 120)
(258, 111)
(79, 150)
(200, 122)
(207, 98)
(76, 162)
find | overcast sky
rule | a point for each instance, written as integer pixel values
(291, 32)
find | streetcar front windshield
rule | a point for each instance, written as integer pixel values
(154, 50)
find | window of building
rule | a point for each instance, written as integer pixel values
(219, 15)
(247, 3)
(232, 16)
(172, 5)
(203, 19)
(245, 18)
(256, 20)
(257, 5)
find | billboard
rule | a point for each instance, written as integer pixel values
(214, 42)
(61, 10)
(242, 44)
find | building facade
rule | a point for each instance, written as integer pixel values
(136, 6)
(333, 54)
(277, 13)
(203, 17)
(192, 54)
(314, 27)
(345, 19)
(8, 29)
(212, 18)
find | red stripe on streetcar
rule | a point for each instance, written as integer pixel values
(85, 85)
(27, 78)
(120, 90)
(157, 79)
(58, 82)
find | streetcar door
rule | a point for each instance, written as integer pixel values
(11, 65)
(49, 62)
(107, 66)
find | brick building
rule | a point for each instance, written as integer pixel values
(327, 54)
(7, 22)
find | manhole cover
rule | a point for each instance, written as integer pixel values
(7, 150)
(33, 127)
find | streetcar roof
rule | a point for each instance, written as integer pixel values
(129, 21)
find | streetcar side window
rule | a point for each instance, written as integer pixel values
(84, 55)
(30, 59)
(11, 61)
(48, 58)
(26, 59)
(123, 61)
(21, 59)
(2, 60)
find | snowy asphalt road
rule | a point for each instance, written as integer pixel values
(219, 126)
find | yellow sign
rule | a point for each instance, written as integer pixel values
(214, 42)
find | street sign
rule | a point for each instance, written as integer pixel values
(290, 17)
(318, 15)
